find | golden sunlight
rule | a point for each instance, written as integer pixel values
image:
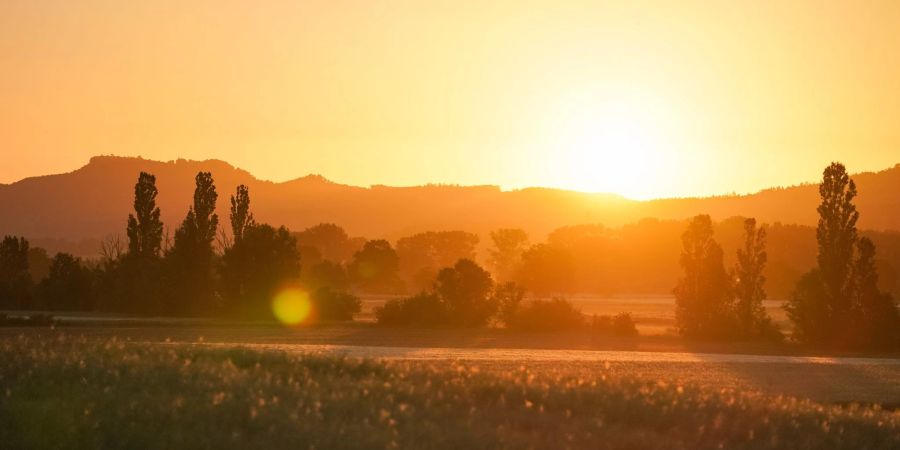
(619, 145)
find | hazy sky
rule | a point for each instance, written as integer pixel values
(645, 99)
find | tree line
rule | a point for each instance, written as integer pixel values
(837, 304)
(202, 271)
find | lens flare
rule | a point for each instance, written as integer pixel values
(291, 306)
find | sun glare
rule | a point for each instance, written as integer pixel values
(617, 146)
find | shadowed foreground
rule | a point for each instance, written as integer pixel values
(80, 393)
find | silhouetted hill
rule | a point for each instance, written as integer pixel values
(94, 201)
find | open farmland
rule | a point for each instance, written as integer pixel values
(75, 392)
(775, 370)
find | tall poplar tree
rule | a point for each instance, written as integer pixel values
(190, 261)
(704, 304)
(145, 229)
(750, 283)
(839, 304)
(241, 217)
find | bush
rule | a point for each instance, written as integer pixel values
(547, 315)
(424, 309)
(335, 305)
(620, 325)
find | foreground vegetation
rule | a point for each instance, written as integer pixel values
(66, 392)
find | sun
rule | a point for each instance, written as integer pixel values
(616, 145)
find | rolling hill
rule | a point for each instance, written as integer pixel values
(94, 201)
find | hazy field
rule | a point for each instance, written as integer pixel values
(61, 391)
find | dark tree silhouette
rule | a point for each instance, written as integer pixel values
(324, 274)
(750, 283)
(38, 263)
(836, 235)
(263, 261)
(423, 254)
(509, 244)
(508, 297)
(374, 268)
(425, 309)
(839, 304)
(809, 311)
(327, 241)
(145, 229)
(703, 298)
(466, 290)
(68, 286)
(876, 321)
(331, 304)
(241, 217)
(135, 284)
(556, 314)
(189, 262)
(15, 281)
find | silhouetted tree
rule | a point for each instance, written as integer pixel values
(423, 254)
(557, 314)
(836, 235)
(509, 244)
(466, 290)
(144, 226)
(324, 274)
(328, 241)
(875, 319)
(809, 311)
(508, 297)
(425, 309)
(753, 321)
(703, 298)
(15, 281)
(38, 263)
(332, 304)
(836, 304)
(241, 217)
(68, 286)
(135, 282)
(374, 268)
(546, 269)
(190, 260)
(256, 267)
(593, 254)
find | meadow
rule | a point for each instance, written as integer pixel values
(60, 390)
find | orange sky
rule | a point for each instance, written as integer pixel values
(692, 98)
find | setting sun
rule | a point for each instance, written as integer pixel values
(617, 145)
(441, 224)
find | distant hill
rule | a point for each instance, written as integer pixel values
(94, 201)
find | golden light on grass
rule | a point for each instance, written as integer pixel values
(291, 306)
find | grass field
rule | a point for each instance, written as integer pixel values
(71, 392)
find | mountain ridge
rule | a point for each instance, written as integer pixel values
(94, 200)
